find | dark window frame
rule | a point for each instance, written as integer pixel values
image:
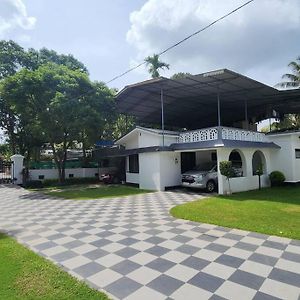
(297, 153)
(133, 164)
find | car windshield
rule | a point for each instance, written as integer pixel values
(206, 167)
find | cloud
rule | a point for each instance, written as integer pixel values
(264, 35)
(13, 15)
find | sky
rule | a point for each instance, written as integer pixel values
(109, 37)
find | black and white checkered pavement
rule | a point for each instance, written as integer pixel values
(131, 248)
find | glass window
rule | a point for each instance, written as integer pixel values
(297, 153)
(134, 163)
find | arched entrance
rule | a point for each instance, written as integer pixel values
(258, 162)
(238, 163)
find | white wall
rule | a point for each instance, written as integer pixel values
(148, 139)
(149, 164)
(78, 173)
(132, 142)
(170, 168)
(159, 170)
(284, 159)
(133, 178)
(248, 181)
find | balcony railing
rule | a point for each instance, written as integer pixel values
(225, 133)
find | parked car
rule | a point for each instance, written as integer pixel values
(109, 178)
(112, 176)
(202, 177)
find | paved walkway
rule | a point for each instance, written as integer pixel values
(132, 248)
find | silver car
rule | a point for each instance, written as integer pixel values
(202, 177)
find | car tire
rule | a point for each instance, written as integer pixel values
(210, 186)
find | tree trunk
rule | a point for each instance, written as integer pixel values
(58, 163)
(229, 185)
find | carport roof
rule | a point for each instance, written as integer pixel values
(191, 101)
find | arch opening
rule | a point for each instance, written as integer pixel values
(258, 162)
(238, 163)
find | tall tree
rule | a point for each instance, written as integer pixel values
(154, 65)
(12, 59)
(36, 58)
(48, 101)
(180, 75)
(98, 114)
(292, 80)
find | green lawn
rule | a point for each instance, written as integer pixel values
(88, 191)
(25, 275)
(274, 211)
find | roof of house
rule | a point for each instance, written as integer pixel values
(191, 101)
(138, 129)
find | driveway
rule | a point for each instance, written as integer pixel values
(131, 248)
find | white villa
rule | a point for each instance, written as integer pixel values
(214, 116)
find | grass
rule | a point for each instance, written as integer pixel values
(25, 275)
(88, 191)
(274, 211)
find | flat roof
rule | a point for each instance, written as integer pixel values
(191, 102)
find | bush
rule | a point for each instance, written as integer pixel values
(70, 181)
(33, 184)
(277, 178)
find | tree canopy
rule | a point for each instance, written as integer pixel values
(154, 65)
(180, 75)
(46, 97)
(292, 80)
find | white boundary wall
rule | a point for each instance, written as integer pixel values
(77, 173)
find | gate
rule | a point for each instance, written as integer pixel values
(6, 172)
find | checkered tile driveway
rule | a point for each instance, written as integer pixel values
(132, 248)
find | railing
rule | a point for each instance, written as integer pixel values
(237, 134)
(200, 135)
(227, 133)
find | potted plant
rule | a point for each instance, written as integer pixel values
(227, 171)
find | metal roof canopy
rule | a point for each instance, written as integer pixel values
(191, 102)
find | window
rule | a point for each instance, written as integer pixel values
(71, 175)
(297, 153)
(134, 163)
(41, 177)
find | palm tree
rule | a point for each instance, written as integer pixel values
(293, 79)
(155, 64)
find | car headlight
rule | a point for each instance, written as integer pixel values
(198, 177)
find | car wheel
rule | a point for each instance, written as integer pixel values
(210, 186)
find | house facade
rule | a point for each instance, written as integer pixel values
(214, 116)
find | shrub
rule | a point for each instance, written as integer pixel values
(277, 178)
(33, 184)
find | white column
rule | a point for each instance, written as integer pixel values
(17, 166)
(222, 155)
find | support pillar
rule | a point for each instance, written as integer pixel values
(246, 114)
(219, 110)
(17, 166)
(162, 116)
